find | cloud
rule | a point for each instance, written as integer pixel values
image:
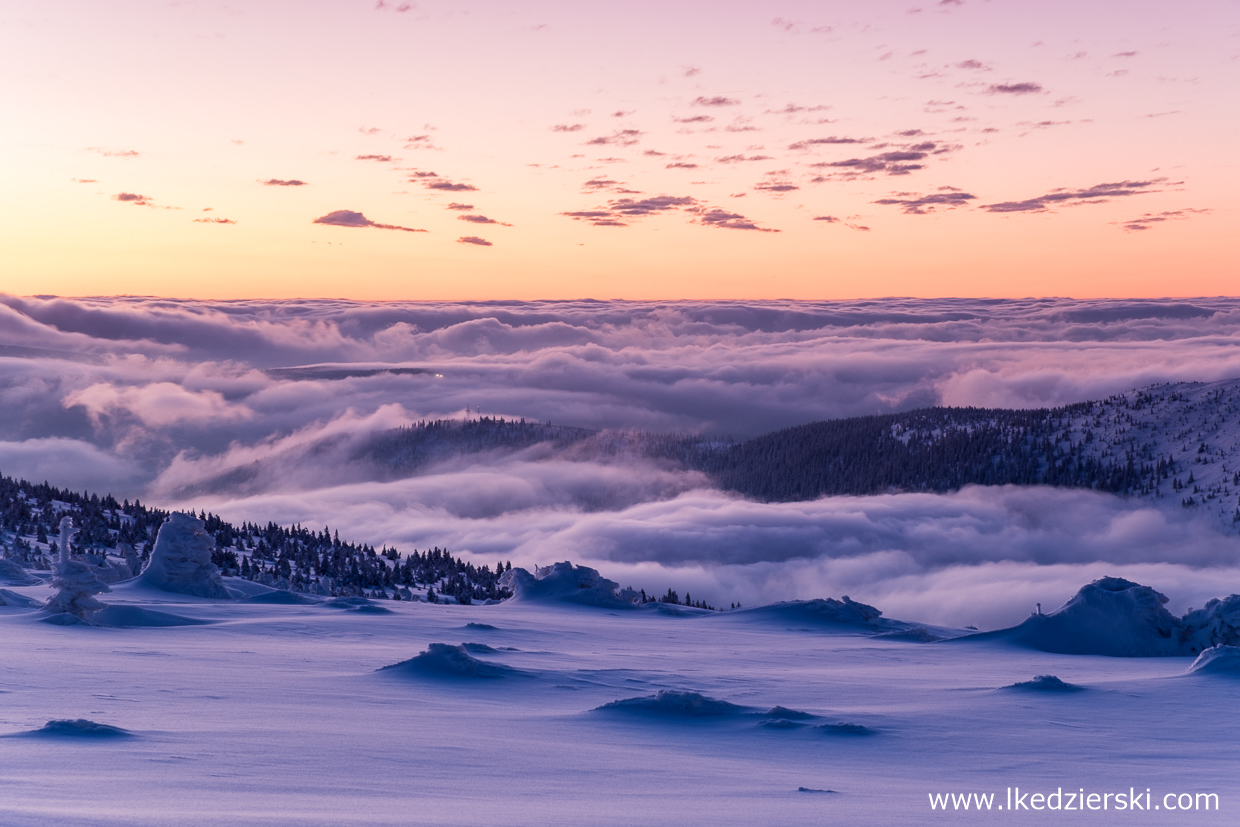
(84, 180)
(457, 206)
(114, 153)
(736, 159)
(157, 404)
(627, 208)
(829, 141)
(435, 181)
(888, 163)
(830, 219)
(348, 218)
(1146, 221)
(718, 100)
(214, 221)
(714, 217)
(973, 65)
(1097, 194)
(449, 186)
(281, 182)
(481, 219)
(793, 109)
(169, 400)
(568, 127)
(915, 204)
(133, 198)
(380, 158)
(1024, 88)
(694, 119)
(57, 458)
(776, 186)
(399, 8)
(473, 239)
(681, 165)
(621, 137)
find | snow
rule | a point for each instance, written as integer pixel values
(181, 559)
(14, 575)
(76, 583)
(282, 713)
(1120, 618)
(78, 728)
(443, 660)
(1045, 683)
(1218, 660)
(565, 582)
(678, 704)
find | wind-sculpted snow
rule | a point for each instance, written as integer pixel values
(824, 612)
(1218, 660)
(567, 583)
(79, 728)
(140, 617)
(445, 661)
(181, 559)
(18, 600)
(1116, 617)
(675, 703)
(14, 575)
(1045, 683)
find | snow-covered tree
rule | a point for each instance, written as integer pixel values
(75, 581)
(181, 559)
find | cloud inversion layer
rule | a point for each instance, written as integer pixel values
(177, 402)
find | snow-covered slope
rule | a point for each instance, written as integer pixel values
(561, 714)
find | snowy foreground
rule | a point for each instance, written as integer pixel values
(277, 709)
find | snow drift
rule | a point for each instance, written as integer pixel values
(78, 728)
(1045, 683)
(181, 559)
(1218, 660)
(12, 598)
(443, 660)
(564, 582)
(676, 703)
(829, 613)
(1119, 618)
(137, 616)
(14, 575)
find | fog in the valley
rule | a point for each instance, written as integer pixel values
(261, 410)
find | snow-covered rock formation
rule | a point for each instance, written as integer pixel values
(564, 582)
(1120, 618)
(181, 559)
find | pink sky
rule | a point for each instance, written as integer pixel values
(638, 150)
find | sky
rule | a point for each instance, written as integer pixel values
(648, 151)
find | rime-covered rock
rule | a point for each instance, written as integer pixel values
(568, 583)
(181, 559)
(1120, 618)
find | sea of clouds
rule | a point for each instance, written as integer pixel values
(190, 404)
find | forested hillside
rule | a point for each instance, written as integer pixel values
(117, 537)
(1171, 443)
